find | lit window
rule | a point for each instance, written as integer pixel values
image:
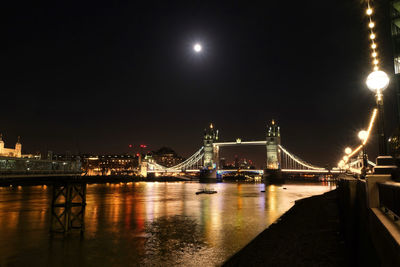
(397, 65)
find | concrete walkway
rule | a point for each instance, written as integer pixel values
(307, 235)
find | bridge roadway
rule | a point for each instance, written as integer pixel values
(286, 171)
(252, 170)
(254, 143)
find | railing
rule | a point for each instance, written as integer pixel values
(389, 198)
(9, 172)
(26, 166)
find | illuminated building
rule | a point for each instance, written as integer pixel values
(236, 164)
(394, 6)
(166, 157)
(10, 152)
(395, 28)
(106, 164)
(246, 164)
(222, 162)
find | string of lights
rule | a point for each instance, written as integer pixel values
(375, 65)
(372, 36)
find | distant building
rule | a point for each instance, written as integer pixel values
(166, 157)
(110, 164)
(105, 164)
(246, 164)
(236, 164)
(395, 29)
(394, 7)
(10, 152)
(222, 162)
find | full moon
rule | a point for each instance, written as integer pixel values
(197, 48)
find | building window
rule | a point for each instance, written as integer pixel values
(397, 65)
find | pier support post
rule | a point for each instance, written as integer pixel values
(68, 207)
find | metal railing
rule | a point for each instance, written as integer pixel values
(26, 166)
(389, 198)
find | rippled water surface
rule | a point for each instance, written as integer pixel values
(143, 224)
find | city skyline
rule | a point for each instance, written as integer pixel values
(94, 78)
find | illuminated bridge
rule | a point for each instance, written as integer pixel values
(278, 158)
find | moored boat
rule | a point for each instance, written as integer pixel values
(206, 191)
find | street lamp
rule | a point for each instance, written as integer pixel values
(377, 81)
(341, 165)
(347, 150)
(363, 135)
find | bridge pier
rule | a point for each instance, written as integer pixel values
(68, 207)
(209, 176)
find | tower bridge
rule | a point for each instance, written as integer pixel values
(278, 158)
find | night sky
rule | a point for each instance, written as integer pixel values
(96, 76)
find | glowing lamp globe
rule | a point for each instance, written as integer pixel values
(197, 48)
(363, 135)
(377, 81)
(347, 150)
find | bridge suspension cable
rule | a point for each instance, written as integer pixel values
(293, 162)
(193, 161)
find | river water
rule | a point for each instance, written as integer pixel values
(143, 224)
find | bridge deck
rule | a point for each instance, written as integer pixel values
(251, 143)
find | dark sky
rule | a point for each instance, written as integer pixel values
(95, 76)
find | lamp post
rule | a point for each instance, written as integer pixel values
(341, 165)
(377, 81)
(363, 135)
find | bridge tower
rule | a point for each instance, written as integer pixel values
(210, 135)
(273, 152)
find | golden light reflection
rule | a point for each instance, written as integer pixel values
(216, 224)
(140, 218)
(239, 199)
(272, 203)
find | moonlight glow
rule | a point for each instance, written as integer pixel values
(197, 48)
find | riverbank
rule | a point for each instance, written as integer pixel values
(308, 234)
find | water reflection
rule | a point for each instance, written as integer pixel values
(178, 234)
(143, 223)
